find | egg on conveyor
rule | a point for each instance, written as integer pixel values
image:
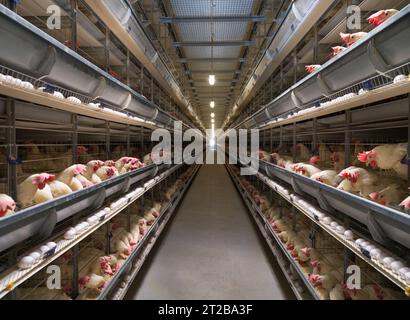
(403, 271)
(44, 249)
(396, 266)
(334, 225)
(387, 262)
(340, 230)
(327, 220)
(400, 78)
(370, 247)
(74, 100)
(407, 277)
(70, 234)
(107, 210)
(58, 95)
(359, 241)
(27, 85)
(26, 262)
(51, 245)
(36, 256)
(92, 220)
(348, 234)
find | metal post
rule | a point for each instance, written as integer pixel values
(74, 8)
(128, 140)
(142, 141)
(271, 139)
(74, 138)
(152, 89)
(12, 4)
(295, 68)
(127, 68)
(408, 146)
(294, 142)
(348, 137)
(107, 140)
(142, 80)
(315, 45)
(107, 49)
(11, 148)
(314, 137)
(75, 272)
(108, 236)
(280, 137)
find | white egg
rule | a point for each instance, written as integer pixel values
(18, 82)
(44, 249)
(400, 78)
(348, 234)
(58, 95)
(74, 100)
(387, 261)
(51, 244)
(407, 277)
(27, 85)
(26, 262)
(327, 220)
(370, 247)
(340, 229)
(396, 266)
(403, 271)
(70, 234)
(92, 220)
(79, 228)
(107, 210)
(375, 253)
(364, 244)
(359, 241)
(36, 256)
(334, 225)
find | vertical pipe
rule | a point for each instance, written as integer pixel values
(107, 49)
(127, 68)
(142, 80)
(108, 236)
(315, 44)
(152, 89)
(294, 142)
(11, 148)
(271, 139)
(314, 137)
(295, 66)
(408, 146)
(348, 137)
(75, 272)
(142, 142)
(107, 140)
(74, 8)
(128, 141)
(74, 138)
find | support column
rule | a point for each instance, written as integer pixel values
(73, 15)
(11, 148)
(74, 138)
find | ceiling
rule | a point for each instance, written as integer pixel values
(211, 36)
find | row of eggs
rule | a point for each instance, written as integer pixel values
(398, 79)
(390, 263)
(35, 256)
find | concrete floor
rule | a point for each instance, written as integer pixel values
(211, 250)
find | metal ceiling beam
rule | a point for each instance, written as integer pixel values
(212, 72)
(213, 19)
(186, 60)
(238, 43)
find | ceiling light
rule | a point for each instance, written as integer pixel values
(212, 104)
(212, 115)
(212, 79)
(213, 120)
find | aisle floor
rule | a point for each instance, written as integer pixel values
(211, 249)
